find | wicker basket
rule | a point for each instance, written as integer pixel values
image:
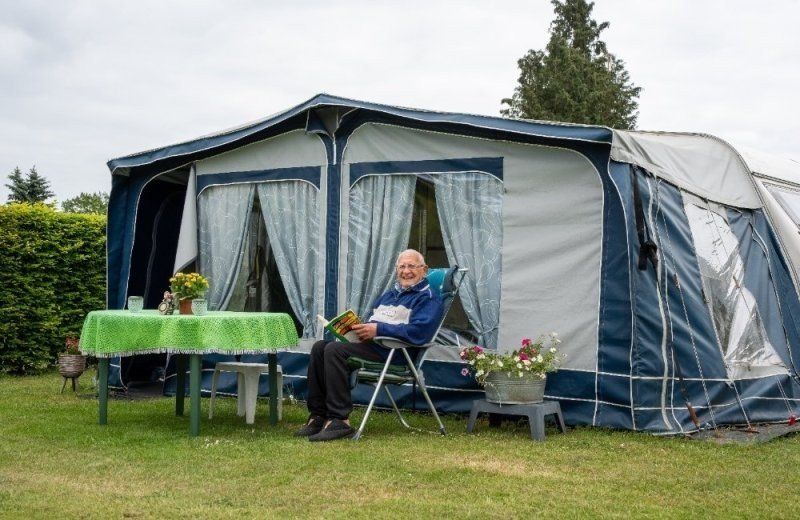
(502, 389)
(71, 365)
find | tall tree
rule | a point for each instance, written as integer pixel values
(29, 188)
(575, 79)
(87, 203)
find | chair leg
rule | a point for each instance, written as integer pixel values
(214, 378)
(396, 409)
(374, 396)
(241, 392)
(424, 391)
(250, 397)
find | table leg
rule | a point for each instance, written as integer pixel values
(102, 379)
(272, 360)
(194, 394)
(180, 382)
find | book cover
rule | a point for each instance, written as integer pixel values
(341, 326)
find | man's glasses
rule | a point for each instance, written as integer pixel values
(412, 267)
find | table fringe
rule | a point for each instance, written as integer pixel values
(168, 350)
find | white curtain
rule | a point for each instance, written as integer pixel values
(223, 213)
(187, 236)
(291, 214)
(470, 212)
(381, 208)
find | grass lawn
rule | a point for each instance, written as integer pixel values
(57, 462)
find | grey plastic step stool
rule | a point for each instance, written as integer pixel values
(535, 412)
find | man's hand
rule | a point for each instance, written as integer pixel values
(366, 331)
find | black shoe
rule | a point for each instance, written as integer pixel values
(337, 429)
(312, 426)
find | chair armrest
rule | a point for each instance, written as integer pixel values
(394, 343)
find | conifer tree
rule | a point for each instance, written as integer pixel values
(575, 79)
(29, 188)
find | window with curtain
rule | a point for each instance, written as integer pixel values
(291, 215)
(380, 221)
(469, 205)
(222, 218)
(470, 212)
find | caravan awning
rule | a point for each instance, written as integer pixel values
(701, 164)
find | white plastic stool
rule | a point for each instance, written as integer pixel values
(247, 376)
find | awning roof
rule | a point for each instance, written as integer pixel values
(171, 156)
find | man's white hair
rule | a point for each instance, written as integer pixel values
(420, 258)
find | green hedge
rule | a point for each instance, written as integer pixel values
(51, 274)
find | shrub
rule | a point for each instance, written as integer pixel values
(52, 274)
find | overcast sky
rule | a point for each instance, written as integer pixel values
(84, 81)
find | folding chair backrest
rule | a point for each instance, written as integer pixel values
(446, 282)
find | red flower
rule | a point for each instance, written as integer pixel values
(523, 356)
(526, 342)
(792, 420)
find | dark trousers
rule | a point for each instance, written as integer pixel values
(329, 377)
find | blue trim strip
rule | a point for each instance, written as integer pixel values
(491, 165)
(311, 174)
(332, 222)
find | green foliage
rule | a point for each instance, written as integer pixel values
(52, 274)
(575, 79)
(87, 203)
(30, 188)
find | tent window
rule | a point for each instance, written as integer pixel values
(252, 289)
(258, 285)
(789, 200)
(426, 237)
(456, 218)
(736, 317)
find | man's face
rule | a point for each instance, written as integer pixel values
(410, 270)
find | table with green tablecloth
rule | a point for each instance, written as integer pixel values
(114, 333)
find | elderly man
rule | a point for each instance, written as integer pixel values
(410, 311)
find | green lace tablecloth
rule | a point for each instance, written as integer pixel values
(124, 333)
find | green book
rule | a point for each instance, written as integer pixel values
(341, 326)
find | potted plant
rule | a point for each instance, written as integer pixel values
(518, 377)
(187, 286)
(71, 363)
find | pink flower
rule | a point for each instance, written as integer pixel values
(526, 342)
(465, 371)
(477, 349)
(523, 356)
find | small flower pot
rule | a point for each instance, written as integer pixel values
(185, 306)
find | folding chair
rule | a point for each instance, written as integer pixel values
(446, 282)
